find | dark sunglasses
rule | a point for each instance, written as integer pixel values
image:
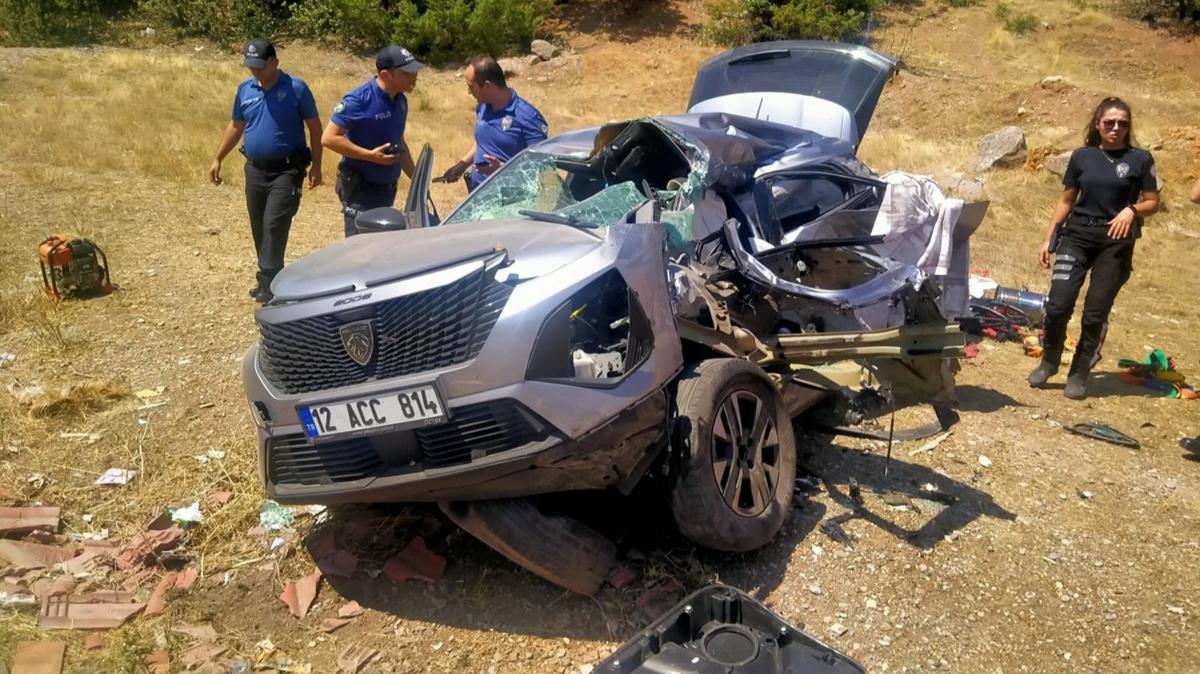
(1114, 123)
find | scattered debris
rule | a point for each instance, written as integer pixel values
(39, 657)
(200, 653)
(147, 545)
(74, 612)
(932, 444)
(274, 517)
(355, 657)
(198, 632)
(210, 455)
(21, 521)
(985, 461)
(76, 398)
(299, 595)
(217, 499)
(622, 576)
(188, 515)
(415, 562)
(350, 609)
(838, 629)
(92, 438)
(148, 393)
(116, 477)
(28, 556)
(1104, 433)
(157, 601)
(329, 625)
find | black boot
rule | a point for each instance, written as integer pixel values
(1042, 374)
(1076, 386)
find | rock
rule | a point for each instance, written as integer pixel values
(515, 67)
(544, 50)
(984, 461)
(1056, 83)
(968, 189)
(1003, 148)
(1057, 164)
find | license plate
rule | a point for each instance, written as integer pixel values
(419, 405)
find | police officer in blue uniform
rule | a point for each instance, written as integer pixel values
(367, 129)
(271, 110)
(505, 123)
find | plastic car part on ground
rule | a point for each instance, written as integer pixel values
(1105, 434)
(722, 629)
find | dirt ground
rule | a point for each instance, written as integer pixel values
(1058, 554)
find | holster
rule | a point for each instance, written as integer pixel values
(1056, 237)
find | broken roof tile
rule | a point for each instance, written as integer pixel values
(200, 654)
(355, 657)
(299, 594)
(416, 562)
(203, 632)
(20, 521)
(330, 624)
(34, 555)
(39, 657)
(350, 609)
(157, 602)
(68, 613)
(147, 544)
(187, 578)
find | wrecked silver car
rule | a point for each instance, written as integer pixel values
(662, 294)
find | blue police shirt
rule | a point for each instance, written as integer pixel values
(505, 131)
(274, 118)
(372, 118)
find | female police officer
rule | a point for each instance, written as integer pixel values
(1110, 185)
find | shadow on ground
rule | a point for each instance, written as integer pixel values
(484, 591)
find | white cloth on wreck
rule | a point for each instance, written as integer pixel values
(917, 222)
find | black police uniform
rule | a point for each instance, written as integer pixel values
(1108, 181)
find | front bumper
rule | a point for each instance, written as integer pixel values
(493, 450)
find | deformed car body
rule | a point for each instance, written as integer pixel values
(663, 293)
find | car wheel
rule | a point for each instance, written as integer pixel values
(737, 455)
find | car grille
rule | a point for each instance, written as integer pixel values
(292, 460)
(479, 430)
(473, 431)
(425, 331)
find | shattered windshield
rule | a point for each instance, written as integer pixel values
(536, 182)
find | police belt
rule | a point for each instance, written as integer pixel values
(297, 159)
(1088, 221)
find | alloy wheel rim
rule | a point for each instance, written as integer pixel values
(745, 452)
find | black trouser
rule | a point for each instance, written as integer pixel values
(358, 195)
(1110, 261)
(272, 198)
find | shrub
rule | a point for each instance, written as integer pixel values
(48, 23)
(1175, 14)
(730, 22)
(960, 3)
(221, 20)
(1022, 24)
(360, 24)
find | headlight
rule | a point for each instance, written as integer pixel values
(596, 337)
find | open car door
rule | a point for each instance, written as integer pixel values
(825, 87)
(419, 210)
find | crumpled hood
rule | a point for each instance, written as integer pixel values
(535, 249)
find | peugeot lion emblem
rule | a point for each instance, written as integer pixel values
(359, 340)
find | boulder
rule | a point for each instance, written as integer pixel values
(544, 50)
(1057, 163)
(512, 67)
(1003, 148)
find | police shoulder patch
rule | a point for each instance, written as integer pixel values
(545, 129)
(339, 107)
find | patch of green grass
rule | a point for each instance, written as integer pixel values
(1025, 23)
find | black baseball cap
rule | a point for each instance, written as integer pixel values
(257, 52)
(392, 56)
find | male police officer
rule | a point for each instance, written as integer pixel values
(271, 109)
(505, 123)
(367, 129)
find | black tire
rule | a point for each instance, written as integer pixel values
(756, 476)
